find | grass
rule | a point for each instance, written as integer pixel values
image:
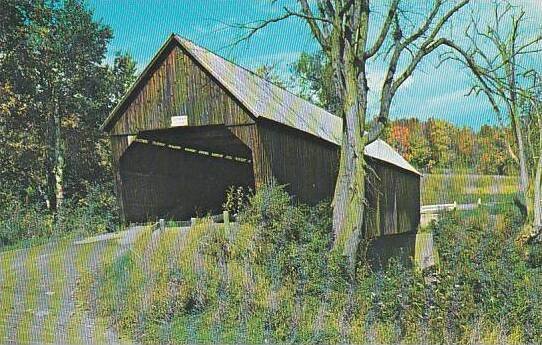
(8, 290)
(217, 284)
(31, 284)
(26, 243)
(465, 188)
(57, 281)
(173, 289)
(245, 284)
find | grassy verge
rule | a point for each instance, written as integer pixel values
(274, 279)
(57, 284)
(440, 189)
(26, 243)
(7, 289)
(32, 291)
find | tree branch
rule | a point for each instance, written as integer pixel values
(322, 40)
(307, 17)
(384, 31)
(254, 27)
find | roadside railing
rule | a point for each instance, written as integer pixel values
(450, 207)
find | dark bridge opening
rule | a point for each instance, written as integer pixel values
(182, 172)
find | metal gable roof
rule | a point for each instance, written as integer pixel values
(381, 150)
(264, 99)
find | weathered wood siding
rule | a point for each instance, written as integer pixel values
(393, 200)
(309, 167)
(119, 144)
(306, 164)
(178, 86)
(250, 135)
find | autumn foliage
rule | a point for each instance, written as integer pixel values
(438, 144)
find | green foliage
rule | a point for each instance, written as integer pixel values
(95, 213)
(273, 278)
(26, 223)
(483, 275)
(19, 221)
(494, 157)
(269, 73)
(55, 91)
(236, 199)
(312, 79)
(439, 141)
(294, 241)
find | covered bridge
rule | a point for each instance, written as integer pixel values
(194, 124)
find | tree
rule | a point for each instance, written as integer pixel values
(54, 93)
(344, 29)
(439, 135)
(438, 143)
(533, 124)
(420, 151)
(408, 137)
(313, 79)
(499, 56)
(493, 157)
(269, 73)
(400, 139)
(464, 144)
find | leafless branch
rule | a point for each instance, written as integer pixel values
(384, 31)
(253, 27)
(322, 40)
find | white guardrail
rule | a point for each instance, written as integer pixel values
(449, 207)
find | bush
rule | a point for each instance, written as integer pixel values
(294, 240)
(274, 277)
(94, 213)
(483, 276)
(19, 221)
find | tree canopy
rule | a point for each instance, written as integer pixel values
(56, 89)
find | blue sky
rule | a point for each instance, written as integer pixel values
(140, 27)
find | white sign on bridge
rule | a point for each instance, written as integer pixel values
(179, 121)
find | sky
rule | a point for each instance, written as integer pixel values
(141, 27)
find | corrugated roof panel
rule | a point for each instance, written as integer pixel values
(381, 150)
(267, 100)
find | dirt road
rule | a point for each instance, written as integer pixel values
(40, 292)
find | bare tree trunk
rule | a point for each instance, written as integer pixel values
(50, 164)
(55, 157)
(349, 197)
(537, 184)
(522, 158)
(59, 162)
(537, 206)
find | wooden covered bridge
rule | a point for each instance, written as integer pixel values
(194, 124)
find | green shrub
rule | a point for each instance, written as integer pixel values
(483, 275)
(21, 222)
(274, 277)
(95, 213)
(294, 240)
